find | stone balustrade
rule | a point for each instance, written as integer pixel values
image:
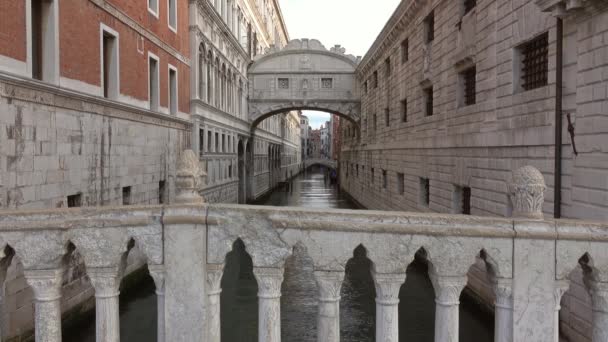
(528, 260)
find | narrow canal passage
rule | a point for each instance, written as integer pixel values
(299, 291)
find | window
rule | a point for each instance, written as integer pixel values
(428, 101)
(172, 13)
(283, 83)
(161, 192)
(384, 181)
(223, 142)
(172, 90)
(126, 195)
(357, 170)
(217, 142)
(405, 53)
(327, 83)
(230, 171)
(75, 201)
(153, 7)
(400, 183)
(429, 24)
(469, 5)
(466, 201)
(387, 117)
(365, 86)
(462, 200)
(153, 81)
(425, 191)
(44, 43)
(375, 122)
(372, 175)
(375, 80)
(209, 144)
(404, 110)
(534, 57)
(109, 63)
(387, 66)
(468, 79)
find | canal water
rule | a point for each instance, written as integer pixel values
(298, 303)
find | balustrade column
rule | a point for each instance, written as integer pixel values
(447, 300)
(214, 289)
(387, 305)
(106, 281)
(560, 288)
(46, 285)
(269, 302)
(328, 320)
(599, 298)
(503, 315)
(157, 272)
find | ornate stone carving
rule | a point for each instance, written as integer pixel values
(189, 179)
(214, 278)
(106, 281)
(527, 192)
(448, 289)
(269, 281)
(387, 287)
(503, 289)
(560, 288)
(46, 284)
(329, 284)
(157, 272)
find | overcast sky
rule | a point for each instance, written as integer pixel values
(354, 24)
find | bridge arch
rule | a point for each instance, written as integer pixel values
(304, 75)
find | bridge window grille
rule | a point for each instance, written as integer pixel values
(384, 180)
(161, 192)
(404, 110)
(387, 117)
(400, 183)
(425, 191)
(405, 53)
(375, 80)
(469, 5)
(428, 101)
(126, 195)
(469, 78)
(75, 201)
(327, 83)
(535, 62)
(429, 23)
(283, 83)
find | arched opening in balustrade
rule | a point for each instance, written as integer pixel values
(238, 299)
(299, 296)
(357, 305)
(476, 309)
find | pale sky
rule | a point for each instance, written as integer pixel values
(354, 24)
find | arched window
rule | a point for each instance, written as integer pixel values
(209, 75)
(202, 86)
(217, 82)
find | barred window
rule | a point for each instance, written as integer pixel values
(365, 87)
(469, 5)
(400, 183)
(387, 117)
(327, 83)
(375, 122)
(535, 62)
(469, 77)
(429, 23)
(428, 101)
(387, 66)
(425, 191)
(466, 201)
(384, 181)
(75, 201)
(405, 47)
(404, 110)
(283, 83)
(375, 80)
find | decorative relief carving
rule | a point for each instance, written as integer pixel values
(46, 284)
(189, 179)
(527, 192)
(106, 281)
(269, 281)
(214, 278)
(560, 288)
(503, 289)
(157, 272)
(448, 289)
(387, 287)
(329, 284)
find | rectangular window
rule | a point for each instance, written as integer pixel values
(400, 183)
(375, 122)
(404, 110)
(405, 53)
(217, 142)
(428, 101)
(429, 24)
(283, 83)
(109, 66)
(534, 57)
(43, 39)
(469, 5)
(387, 117)
(425, 191)
(126, 195)
(387, 66)
(223, 142)
(462, 200)
(230, 171)
(375, 80)
(153, 81)
(75, 201)
(161, 192)
(365, 87)
(209, 144)
(172, 90)
(172, 13)
(372, 175)
(327, 83)
(153, 7)
(468, 80)
(357, 170)
(466, 201)
(384, 180)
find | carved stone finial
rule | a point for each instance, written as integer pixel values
(189, 179)
(527, 192)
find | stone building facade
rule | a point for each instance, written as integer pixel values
(227, 35)
(457, 93)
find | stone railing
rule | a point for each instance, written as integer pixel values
(528, 261)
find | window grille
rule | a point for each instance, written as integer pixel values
(469, 78)
(469, 5)
(430, 27)
(387, 117)
(425, 191)
(404, 110)
(326, 83)
(283, 83)
(428, 93)
(535, 62)
(75, 201)
(375, 80)
(466, 201)
(405, 46)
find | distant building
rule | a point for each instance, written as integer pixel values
(335, 137)
(305, 136)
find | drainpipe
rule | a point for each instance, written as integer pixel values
(559, 69)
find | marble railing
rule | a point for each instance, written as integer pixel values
(528, 260)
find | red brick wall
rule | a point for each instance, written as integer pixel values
(12, 29)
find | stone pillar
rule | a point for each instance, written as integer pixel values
(503, 312)
(447, 299)
(387, 305)
(189, 179)
(196, 135)
(158, 274)
(560, 288)
(328, 320)
(106, 281)
(46, 285)
(214, 282)
(269, 302)
(599, 298)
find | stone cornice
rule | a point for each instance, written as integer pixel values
(29, 90)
